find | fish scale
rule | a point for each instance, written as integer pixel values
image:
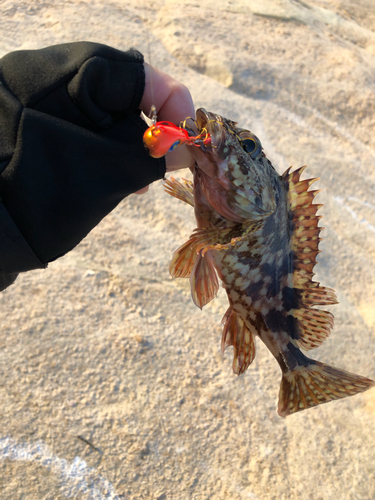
(257, 232)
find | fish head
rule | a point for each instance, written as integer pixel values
(231, 168)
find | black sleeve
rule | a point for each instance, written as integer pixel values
(70, 146)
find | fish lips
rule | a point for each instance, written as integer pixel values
(210, 158)
(213, 124)
(207, 155)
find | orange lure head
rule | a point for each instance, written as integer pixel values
(163, 137)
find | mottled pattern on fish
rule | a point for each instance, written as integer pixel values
(259, 233)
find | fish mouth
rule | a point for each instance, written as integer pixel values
(213, 125)
(207, 120)
(207, 124)
(209, 150)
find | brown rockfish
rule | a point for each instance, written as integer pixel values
(258, 233)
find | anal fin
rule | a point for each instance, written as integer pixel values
(237, 334)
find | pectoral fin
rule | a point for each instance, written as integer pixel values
(182, 190)
(184, 258)
(203, 280)
(223, 238)
(190, 259)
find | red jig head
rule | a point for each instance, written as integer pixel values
(163, 137)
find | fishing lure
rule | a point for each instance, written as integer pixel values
(162, 137)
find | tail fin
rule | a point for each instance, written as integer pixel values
(317, 383)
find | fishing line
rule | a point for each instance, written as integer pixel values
(163, 137)
(153, 114)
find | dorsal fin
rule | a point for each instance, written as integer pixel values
(313, 325)
(305, 235)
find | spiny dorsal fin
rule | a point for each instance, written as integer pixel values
(314, 325)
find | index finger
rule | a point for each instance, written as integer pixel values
(171, 98)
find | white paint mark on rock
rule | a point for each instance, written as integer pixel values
(77, 478)
(355, 216)
(361, 202)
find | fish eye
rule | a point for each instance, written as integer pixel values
(251, 144)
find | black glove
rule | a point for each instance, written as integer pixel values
(70, 144)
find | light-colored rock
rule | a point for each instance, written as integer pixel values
(106, 346)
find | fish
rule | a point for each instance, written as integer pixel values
(257, 233)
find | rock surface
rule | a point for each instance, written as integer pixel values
(112, 384)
